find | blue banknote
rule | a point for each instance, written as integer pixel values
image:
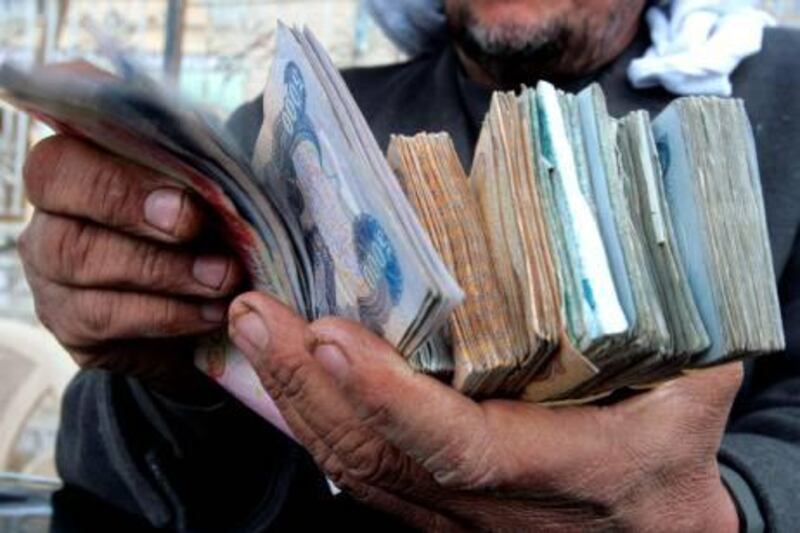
(351, 221)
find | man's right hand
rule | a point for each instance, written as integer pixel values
(111, 257)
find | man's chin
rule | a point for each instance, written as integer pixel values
(513, 56)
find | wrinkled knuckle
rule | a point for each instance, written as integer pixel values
(268, 382)
(169, 318)
(333, 468)
(43, 161)
(392, 470)
(64, 323)
(70, 244)
(95, 313)
(111, 192)
(338, 464)
(319, 450)
(292, 377)
(368, 460)
(153, 268)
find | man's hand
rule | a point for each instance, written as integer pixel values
(109, 260)
(411, 446)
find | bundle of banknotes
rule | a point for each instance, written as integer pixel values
(595, 252)
(583, 253)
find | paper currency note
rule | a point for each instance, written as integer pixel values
(359, 259)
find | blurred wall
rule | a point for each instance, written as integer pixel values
(227, 44)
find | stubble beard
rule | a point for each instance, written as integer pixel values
(513, 54)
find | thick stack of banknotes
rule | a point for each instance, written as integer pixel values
(583, 253)
(596, 252)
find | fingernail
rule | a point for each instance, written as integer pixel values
(211, 271)
(162, 208)
(332, 359)
(251, 329)
(213, 312)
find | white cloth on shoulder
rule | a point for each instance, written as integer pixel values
(697, 44)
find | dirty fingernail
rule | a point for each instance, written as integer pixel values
(211, 271)
(250, 328)
(162, 208)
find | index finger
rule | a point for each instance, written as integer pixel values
(67, 176)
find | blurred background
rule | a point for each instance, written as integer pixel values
(217, 51)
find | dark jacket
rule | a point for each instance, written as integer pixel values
(125, 451)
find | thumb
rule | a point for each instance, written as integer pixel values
(693, 408)
(254, 319)
(712, 388)
(718, 386)
(438, 427)
(265, 329)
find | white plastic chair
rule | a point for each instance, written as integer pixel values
(34, 371)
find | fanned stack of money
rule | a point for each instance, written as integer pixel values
(594, 252)
(318, 216)
(621, 274)
(367, 256)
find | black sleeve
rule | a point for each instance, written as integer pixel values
(762, 443)
(136, 457)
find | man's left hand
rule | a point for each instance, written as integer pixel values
(411, 446)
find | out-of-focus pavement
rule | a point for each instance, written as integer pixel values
(34, 370)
